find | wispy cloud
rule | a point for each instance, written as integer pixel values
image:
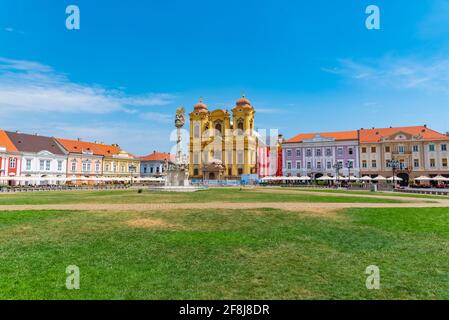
(12, 30)
(35, 87)
(429, 74)
(268, 110)
(157, 117)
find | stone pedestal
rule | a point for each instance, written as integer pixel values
(177, 176)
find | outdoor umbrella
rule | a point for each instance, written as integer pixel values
(395, 178)
(440, 178)
(324, 178)
(304, 178)
(380, 178)
(353, 178)
(366, 178)
(423, 178)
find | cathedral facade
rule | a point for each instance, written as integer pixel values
(222, 144)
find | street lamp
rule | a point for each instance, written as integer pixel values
(349, 165)
(394, 165)
(338, 166)
(132, 169)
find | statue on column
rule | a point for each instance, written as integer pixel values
(179, 124)
(177, 173)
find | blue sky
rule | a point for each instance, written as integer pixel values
(307, 66)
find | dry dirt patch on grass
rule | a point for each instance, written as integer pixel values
(329, 213)
(146, 223)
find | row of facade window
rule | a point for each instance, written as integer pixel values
(153, 169)
(319, 165)
(219, 128)
(44, 165)
(404, 165)
(403, 149)
(114, 168)
(340, 151)
(86, 166)
(319, 152)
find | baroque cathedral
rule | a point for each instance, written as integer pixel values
(223, 145)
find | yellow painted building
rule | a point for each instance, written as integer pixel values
(120, 164)
(222, 144)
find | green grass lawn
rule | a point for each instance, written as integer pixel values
(225, 254)
(214, 194)
(369, 193)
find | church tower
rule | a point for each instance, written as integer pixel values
(199, 124)
(245, 141)
(221, 148)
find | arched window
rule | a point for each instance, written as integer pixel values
(218, 127)
(240, 125)
(73, 165)
(196, 131)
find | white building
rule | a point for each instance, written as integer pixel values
(43, 160)
(318, 154)
(153, 165)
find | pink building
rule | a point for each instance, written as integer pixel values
(85, 159)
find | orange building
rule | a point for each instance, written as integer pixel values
(418, 149)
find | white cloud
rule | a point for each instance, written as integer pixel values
(268, 110)
(12, 30)
(158, 117)
(426, 74)
(139, 139)
(34, 87)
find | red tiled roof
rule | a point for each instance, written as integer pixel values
(76, 146)
(376, 134)
(158, 156)
(6, 142)
(338, 136)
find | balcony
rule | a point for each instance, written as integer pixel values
(405, 153)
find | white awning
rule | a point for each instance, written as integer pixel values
(366, 178)
(395, 178)
(423, 178)
(440, 178)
